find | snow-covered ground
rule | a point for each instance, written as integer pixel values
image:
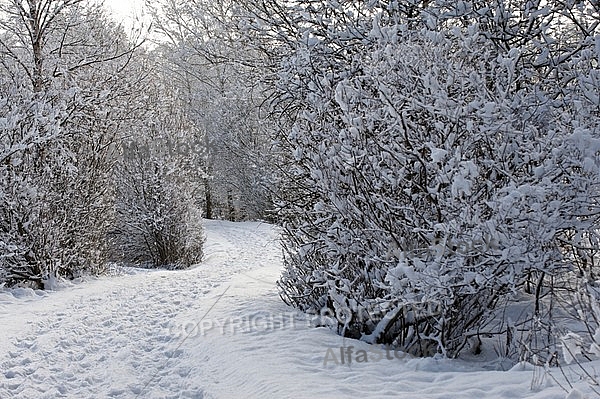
(217, 331)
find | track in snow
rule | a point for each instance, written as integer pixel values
(148, 335)
(108, 337)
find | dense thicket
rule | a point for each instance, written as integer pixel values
(443, 161)
(72, 101)
(61, 76)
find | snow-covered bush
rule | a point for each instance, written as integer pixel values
(418, 129)
(158, 222)
(159, 218)
(56, 205)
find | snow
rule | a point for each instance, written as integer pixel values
(219, 330)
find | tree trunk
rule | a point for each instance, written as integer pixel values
(208, 198)
(230, 207)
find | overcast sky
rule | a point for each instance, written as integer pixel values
(125, 9)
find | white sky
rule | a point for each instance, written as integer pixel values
(125, 10)
(129, 13)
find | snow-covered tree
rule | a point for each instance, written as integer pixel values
(219, 82)
(64, 93)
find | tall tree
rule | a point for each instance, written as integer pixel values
(65, 90)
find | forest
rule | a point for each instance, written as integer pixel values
(433, 165)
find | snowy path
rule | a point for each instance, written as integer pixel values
(106, 338)
(134, 337)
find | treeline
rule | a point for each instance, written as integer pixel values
(111, 152)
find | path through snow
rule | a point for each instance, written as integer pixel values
(216, 331)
